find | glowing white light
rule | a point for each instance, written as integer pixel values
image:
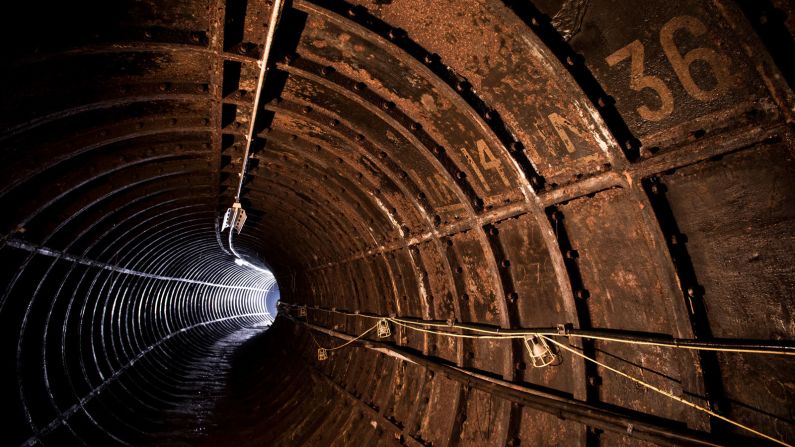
(239, 261)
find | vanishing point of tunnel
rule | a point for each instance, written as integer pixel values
(397, 222)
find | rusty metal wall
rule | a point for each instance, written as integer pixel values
(510, 164)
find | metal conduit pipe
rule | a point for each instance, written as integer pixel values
(449, 326)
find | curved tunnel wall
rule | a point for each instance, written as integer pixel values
(497, 163)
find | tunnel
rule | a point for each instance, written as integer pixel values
(397, 222)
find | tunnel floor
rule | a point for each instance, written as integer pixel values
(208, 381)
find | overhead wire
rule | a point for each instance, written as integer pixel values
(491, 334)
(668, 394)
(346, 343)
(519, 334)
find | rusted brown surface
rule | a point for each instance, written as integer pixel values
(512, 164)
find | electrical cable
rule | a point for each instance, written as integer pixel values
(667, 393)
(698, 345)
(346, 343)
(548, 337)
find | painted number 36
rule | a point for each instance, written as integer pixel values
(718, 63)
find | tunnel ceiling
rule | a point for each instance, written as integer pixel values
(589, 167)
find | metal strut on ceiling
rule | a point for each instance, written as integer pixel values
(235, 216)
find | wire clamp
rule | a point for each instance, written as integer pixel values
(322, 354)
(539, 350)
(563, 328)
(383, 329)
(302, 311)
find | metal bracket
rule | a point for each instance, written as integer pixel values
(235, 217)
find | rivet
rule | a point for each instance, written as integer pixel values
(325, 71)
(307, 109)
(359, 86)
(505, 263)
(572, 254)
(582, 294)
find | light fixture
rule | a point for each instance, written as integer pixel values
(540, 352)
